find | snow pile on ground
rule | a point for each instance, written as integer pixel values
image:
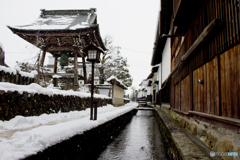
(24, 136)
(35, 88)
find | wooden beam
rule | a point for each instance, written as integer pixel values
(201, 39)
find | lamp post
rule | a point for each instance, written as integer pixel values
(93, 55)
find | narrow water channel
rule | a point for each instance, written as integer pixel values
(140, 140)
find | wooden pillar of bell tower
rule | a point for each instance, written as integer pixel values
(75, 68)
(55, 80)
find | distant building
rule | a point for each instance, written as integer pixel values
(117, 90)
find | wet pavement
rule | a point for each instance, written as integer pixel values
(140, 139)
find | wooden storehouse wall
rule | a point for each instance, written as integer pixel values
(216, 62)
(230, 82)
(206, 96)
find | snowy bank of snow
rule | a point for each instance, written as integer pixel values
(8, 70)
(35, 88)
(14, 71)
(24, 136)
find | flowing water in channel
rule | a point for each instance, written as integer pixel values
(140, 140)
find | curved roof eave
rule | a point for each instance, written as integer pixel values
(51, 30)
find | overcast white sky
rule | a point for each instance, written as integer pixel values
(131, 23)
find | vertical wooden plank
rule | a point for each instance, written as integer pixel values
(191, 89)
(216, 86)
(201, 89)
(221, 5)
(233, 21)
(204, 88)
(212, 80)
(172, 100)
(176, 96)
(198, 91)
(236, 13)
(185, 96)
(230, 18)
(223, 85)
(179, 95)
(228, 91)
(208, 68)
(238, 73)
(227, 24)
(217, 16)
(195, 90)
(235, 77)
(188, 93)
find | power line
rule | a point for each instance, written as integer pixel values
(136, 51)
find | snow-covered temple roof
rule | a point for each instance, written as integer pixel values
(114, 80)
(62, 31)
(62, 20)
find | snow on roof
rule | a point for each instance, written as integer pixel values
(62, 20)
(35, 88)
(113, 78)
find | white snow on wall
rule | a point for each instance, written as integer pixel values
(8, 70)
(35, 88)
(14, 71)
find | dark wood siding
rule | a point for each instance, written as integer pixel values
(225, 37)
(206, 96)
(185, 94)
(177, 96)
(230, 82)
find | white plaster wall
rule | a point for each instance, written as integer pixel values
(51, 60)
(159, 75)
(104, 92)
(166, 60)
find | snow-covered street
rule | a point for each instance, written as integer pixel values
(23, 136)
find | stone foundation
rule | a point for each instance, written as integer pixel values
(216, 138)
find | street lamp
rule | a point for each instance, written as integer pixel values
(93, 55)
